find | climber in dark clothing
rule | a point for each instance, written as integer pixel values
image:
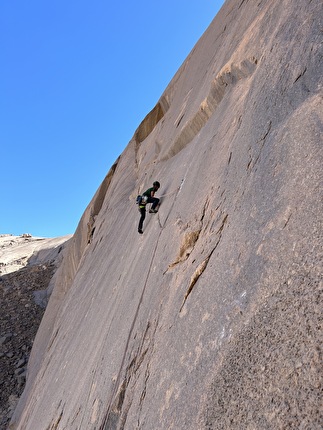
(148, 197)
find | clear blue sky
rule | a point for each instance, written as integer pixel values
(76, 80)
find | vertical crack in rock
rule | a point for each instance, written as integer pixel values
(206, 204)
(287, 220)
(76, 416)
(148, 365)
(189, 241)
(241, 4)
(112, 416)
(52, 339)
(202, 266)
(144, 353)
(198, 272)
(253, 161)
(230, 156)
(55, 424)
(300, 75)
(117, 414)
(221, 227)
(111, 420)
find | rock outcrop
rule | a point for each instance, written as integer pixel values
(212, 319)
(27, 264)
(17, 252)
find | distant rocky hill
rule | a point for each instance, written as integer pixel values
(212, 318)
(27, 264)
(17, 252)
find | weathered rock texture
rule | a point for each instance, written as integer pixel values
(17, 252)
(212, 318)
(27, 264)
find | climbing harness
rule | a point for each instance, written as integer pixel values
(140, 301)
(143, 199)
(172, 192)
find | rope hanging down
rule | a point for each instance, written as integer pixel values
(172, 192)
(119, 375)
(172, 205)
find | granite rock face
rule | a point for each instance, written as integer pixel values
(212, 318)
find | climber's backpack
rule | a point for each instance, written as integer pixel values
(138, 200)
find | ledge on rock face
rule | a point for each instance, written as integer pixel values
(151, 120)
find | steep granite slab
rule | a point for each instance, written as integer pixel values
(212, 318)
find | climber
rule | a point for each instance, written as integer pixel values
(148, 197)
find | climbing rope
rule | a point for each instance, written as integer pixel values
(172, 205)
(132, 327)
(172, 192)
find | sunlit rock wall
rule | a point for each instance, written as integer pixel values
(210, 319)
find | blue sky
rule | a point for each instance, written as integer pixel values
(76, 80)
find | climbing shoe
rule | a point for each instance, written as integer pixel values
(153, 211)
(140, 231)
